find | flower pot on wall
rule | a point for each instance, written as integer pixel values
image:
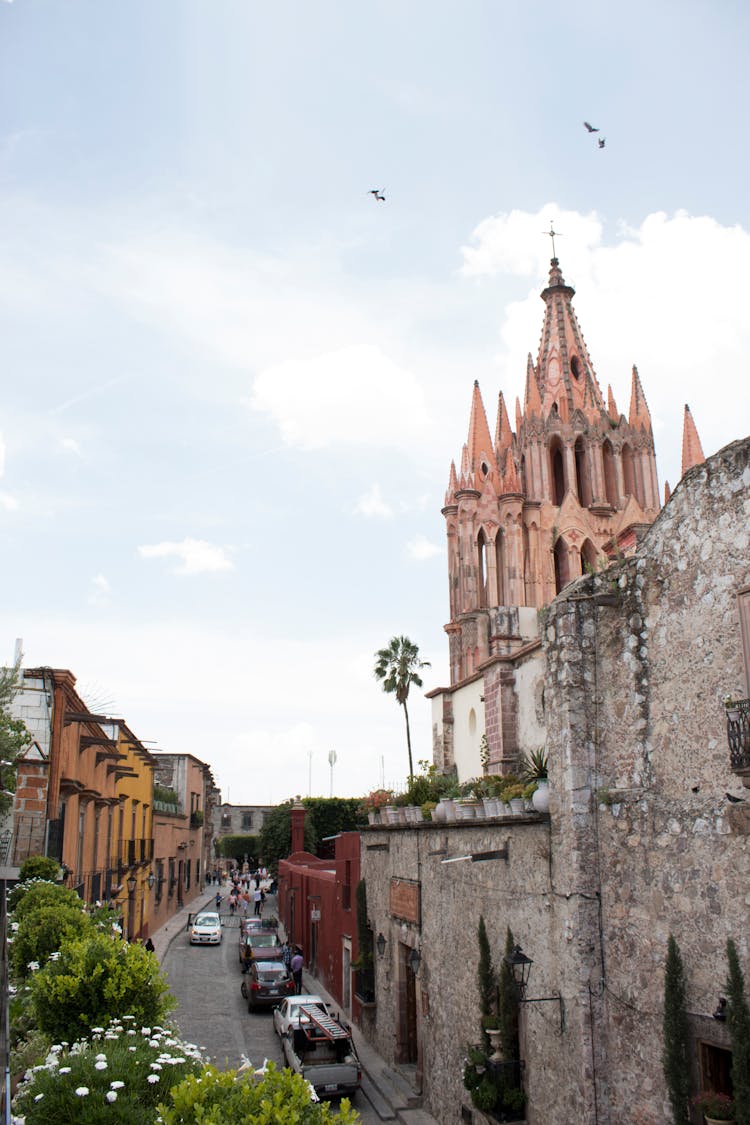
(516, 806)
(540, 799)
(372, 817)
(390, 814)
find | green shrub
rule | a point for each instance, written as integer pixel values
(485, 1096)
(94, 981)
(675, 1033)
(118, 1076)
(39, 867)
(35, 893)
(738, 1022)
(42, 932)
(277, 1097)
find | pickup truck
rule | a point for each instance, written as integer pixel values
(322, 1051)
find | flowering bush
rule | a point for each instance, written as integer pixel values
(718, 1106)
(91, 982)
(376, 800)
(42, 932)
(33, 893)
(119, 1075)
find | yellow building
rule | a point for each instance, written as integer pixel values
(135, 837)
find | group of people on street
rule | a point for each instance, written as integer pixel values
(294, 962)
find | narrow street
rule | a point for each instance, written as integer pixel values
(212, 1013)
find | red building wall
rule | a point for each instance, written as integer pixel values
(317, 904)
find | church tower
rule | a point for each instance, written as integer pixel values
(531, 510)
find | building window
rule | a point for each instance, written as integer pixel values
(247, 820)
(716, 1068)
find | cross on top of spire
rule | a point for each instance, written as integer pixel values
(553, 234)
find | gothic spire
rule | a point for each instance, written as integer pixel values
(503, 432)
(532, 402)
(479, 443)
(612, 406)
(564, 367)
(692, 451)
(639, 414)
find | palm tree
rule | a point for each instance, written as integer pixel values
(398, 666)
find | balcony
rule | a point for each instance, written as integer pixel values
(738, 736)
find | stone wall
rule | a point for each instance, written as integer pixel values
(639, 661)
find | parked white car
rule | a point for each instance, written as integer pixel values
(288, 1015)
(206, 929)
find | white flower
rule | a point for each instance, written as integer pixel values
(55, 956)
(132, 1048)
(100, 1057)
(101, 1065)
(116, 1085)
(98, 1031)
(153, 1042)
(38, 1097)
(128, 1017)
(155, 1066)
(145, 1031)
(64, 1070)
(82, 1091)
(33, 966)
(111, 1096)
(14, 926)
(132, 1031)
(152, 1078)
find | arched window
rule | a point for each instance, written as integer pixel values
(575, 367)
(583, 480)
(628, 471)
(557, 473)
(500, 567)
(482, 568)
(610, 476)
(589, 558)
(562, 567)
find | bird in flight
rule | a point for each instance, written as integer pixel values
(601, 141)
(379, 194)
(591, 128)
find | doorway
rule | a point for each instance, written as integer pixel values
(408, 1046)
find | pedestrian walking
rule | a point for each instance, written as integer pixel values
(286, 955)
(297, 963)
(218, 900)
(257, 899)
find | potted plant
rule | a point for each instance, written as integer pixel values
(513, 795)
(714, 1106)
(374, 802)
(534, 769)
(491, 1025)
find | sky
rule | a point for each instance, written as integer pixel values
(233, 381)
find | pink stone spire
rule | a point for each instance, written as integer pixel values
(692, 450)
(639, 413)
(480, 443)
(503, 432)
(612, 405)
(450, 495)
(532, 399)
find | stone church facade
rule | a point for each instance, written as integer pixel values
(620, 668)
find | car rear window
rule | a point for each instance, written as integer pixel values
(270, 971)
(206, 920)
(263, 941)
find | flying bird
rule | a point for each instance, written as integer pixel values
(601, 141)
(379, 194)
(591, 128)
(734, 800)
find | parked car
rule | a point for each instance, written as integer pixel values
(288, 1012)
(266, 983)
(259, 943)
(206, 929)
(322, 1052)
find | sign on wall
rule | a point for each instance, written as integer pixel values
(405, 900)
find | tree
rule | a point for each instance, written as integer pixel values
(237, 847)
(276, 835)
(486, 981)
(39, 867)
(398, 666)
(675, 1055)
(14, 736)
(738, 1022)
(508, 1003)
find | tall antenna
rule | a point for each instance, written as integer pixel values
(331, 763)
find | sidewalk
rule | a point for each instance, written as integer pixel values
(162, 938)
(388, 1091)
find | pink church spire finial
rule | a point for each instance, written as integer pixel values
(692, 450)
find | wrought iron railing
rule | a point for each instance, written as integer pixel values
(738, 734)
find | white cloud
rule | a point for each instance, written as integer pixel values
(8, 502)
(354, 396)
(100, 592)
(71, 445)
(196, 555)
(371, 503)
(642, 300)
(420, 548)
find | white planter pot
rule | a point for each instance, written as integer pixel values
(540, 800)
(516, 806)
